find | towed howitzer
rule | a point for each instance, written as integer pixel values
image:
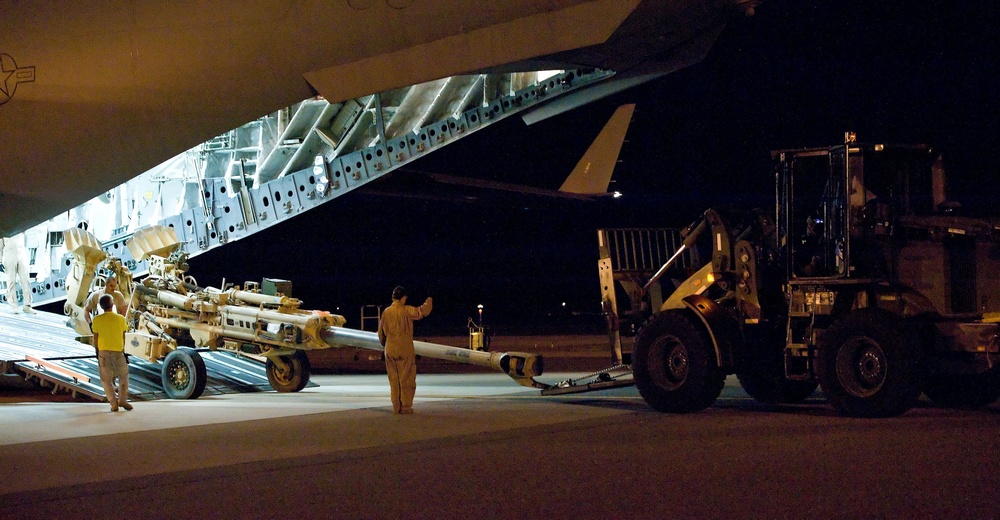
(272, 327)
(170, 314)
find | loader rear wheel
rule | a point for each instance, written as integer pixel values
(184, 374)
(293, 378)
(967, 392)
(673, 367)
(866, 365)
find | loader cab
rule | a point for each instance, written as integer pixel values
(836, 206)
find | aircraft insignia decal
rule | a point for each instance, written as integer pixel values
(11, 75)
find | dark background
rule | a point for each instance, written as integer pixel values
(798, 73)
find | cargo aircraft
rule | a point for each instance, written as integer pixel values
(103, 105)
(94, 93)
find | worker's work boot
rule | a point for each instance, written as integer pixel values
(126, 406)
(114, 407)
(29, 310)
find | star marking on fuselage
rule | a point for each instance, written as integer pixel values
(11, 75)
(4, 89)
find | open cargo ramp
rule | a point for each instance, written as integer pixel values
(42, 349)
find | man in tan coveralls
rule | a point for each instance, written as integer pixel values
(395, 332)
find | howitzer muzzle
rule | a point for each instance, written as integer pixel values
(521, 367)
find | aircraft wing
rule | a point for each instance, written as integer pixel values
(95, 93)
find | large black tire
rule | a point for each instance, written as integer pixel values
(869, 364)
(184, 374)
(772, 388)
(295, 378)
(966, 392)
(674, 368)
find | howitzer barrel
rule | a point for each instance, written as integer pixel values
(166, 297)
(302, 320)
(260, 299)
(521, 367)
(218, 330)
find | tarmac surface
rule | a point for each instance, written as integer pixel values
(481, 446)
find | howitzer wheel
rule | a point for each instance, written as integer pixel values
(184, 374)
(292, 379)
(673, 366)
(868, 365)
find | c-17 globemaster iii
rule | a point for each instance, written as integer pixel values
(94, 93)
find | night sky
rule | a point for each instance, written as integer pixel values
(798, 73)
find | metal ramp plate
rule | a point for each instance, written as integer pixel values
(612, 377)
(227, 374)
(42, 348)
(42, 335)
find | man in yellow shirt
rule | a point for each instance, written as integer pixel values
(109, 340)
(395, 332)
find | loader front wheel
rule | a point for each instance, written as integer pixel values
(867, 366)
(673, 366)
(292, 378)
(184, 374)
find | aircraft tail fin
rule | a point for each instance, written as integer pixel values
(592, 174)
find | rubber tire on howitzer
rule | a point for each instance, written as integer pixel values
(293, 380)
(966, 392)
(184, 374)
(868, 364)
(673, 366)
